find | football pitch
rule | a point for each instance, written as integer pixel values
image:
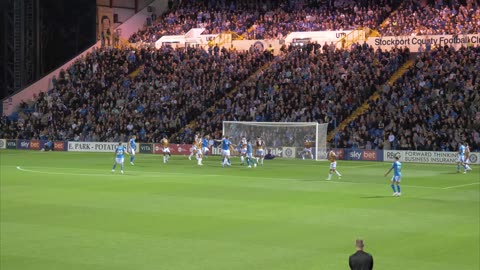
(61, 210)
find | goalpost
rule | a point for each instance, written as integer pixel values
(283, 139)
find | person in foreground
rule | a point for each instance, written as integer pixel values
(360, 260)
(397, 176)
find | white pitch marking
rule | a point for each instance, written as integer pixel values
(216, 175)
(471, 184)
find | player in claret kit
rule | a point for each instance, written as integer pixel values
(333, 165)
(166, 149)
(119, 157)
(193, 150)
(467, 158)
(260, 145)
(199, 153)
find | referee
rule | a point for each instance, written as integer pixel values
(360, 260)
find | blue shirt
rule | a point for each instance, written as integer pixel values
(397, 168)
(249, 148)
(204, 142)
(461, 150)
(132, 143)
(120, 151)
(225, 144)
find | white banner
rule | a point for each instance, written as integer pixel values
(319, 36)
(3, 143)
(93, 146)
(414, 42)
(427, 156)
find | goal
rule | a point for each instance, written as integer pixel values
(283, 139)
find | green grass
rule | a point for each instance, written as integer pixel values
(64, 210)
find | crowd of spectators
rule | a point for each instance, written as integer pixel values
(215, 16)
(434, 106)
(310, 83)
(438, 18)
(279, 22)
(265, 19)
(79, 96)
(96, 99)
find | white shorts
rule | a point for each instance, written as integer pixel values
(333, 165)
(119, 160)
(307, 150)
(243, 151)
(461, 159)
(225, 153)
(193, 149)
(260, 152)
(396, 178)
(166, 150)
(205, 149)
(249, 155)
(131, 151)
(467, 160)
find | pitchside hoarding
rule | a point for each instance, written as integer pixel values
(93, 146)
(175, 149)
(428, 156)
(358, 154)
(59, 146)
(11, 144)
(146, 148)
(3, 144)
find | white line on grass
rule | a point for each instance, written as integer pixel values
(471, 184)
(157, 175)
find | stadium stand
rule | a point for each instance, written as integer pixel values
(112, 93)
(265, 20)
(96, 100)
(437, 18)
(311, 83)
(434, 106)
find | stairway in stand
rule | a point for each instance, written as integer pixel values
(365, 106)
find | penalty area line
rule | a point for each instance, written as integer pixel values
(465, 185)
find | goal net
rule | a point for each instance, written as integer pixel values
(282, 139)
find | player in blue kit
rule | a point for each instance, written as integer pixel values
(205, 149)
(119, 157)
(249, 155)
(131, 148)
(397, 176)
(226, 144)
(461, 158)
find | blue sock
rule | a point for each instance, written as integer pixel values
(114, 166)
(121, 166)
(248, 161)
(458, 167)
(398, 188)
(228, 160)
(393, 187)
(132, 158)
